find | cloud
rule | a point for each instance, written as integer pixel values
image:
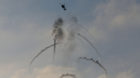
(126, 74)
(102, 76)
(14, 39)
(114, 15)
(21, 73)
(46, 72)
(6, 69)
(115, 19)
(52, 71)
(116, 27)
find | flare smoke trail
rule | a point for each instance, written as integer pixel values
(75, 30)
(54, 49)
(58, 35)
(68, 75)
(95, 61)
(57, 32)
(43, 50)
(58, 23)
(90, 43)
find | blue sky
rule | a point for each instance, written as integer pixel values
(26, 25)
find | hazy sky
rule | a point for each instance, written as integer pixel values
(25, 29)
